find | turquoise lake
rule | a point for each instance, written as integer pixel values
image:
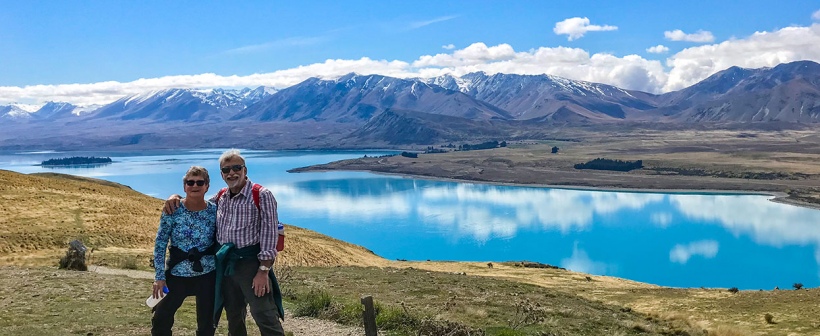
(669, 239)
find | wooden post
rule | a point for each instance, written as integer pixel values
(369, 316)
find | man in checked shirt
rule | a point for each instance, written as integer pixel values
(249, 233)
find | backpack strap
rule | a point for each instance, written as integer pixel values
(255, 193)
(220, 193)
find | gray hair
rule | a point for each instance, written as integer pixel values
(197, 171)
(230, 154)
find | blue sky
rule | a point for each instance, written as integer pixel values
(96, 51)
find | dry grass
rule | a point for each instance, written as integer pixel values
(42, 213)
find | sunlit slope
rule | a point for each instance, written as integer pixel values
(41, 213)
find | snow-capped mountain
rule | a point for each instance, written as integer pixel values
(48, 112)
(546, 97)
(55, 110)
(365, 108)
(181, 105)
(356, 98)
(14, 112)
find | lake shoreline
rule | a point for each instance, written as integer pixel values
(776, 196)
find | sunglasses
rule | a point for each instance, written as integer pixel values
(191, 183)
(235, 168)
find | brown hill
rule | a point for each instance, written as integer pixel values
(40, 214)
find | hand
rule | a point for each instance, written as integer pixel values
(261, 284)
(158, 286)
(171, 204)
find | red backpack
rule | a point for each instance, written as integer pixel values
(280, 240)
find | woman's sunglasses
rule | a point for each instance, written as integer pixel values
(191, 183)
(235, 168)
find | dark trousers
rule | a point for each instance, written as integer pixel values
(180, 288)
(238, 294)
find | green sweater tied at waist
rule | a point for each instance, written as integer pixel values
(226, 259)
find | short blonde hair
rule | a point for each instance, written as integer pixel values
(197, 171)
(230, 154)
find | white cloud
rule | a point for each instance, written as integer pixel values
(704, 248)
(687, 67)
(482, 212)
(292, 41)
(339, 205)
(580, 262)
(448, 46)
(106, 92)
(478, 222)
(764, 221)
(419, 24)
(816, 15)
(761, 49)
(529, 208)
(475, 54)
(631, 71)
(662, 219)
(658, 49)
(577, 27)
(700, 36)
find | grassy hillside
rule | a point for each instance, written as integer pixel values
(40, 214)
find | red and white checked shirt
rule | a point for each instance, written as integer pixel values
(239, 222)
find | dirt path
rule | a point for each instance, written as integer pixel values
(306, 326)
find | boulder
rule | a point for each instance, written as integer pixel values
(75, 257)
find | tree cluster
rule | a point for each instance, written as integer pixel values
(483, 145)
(608, 164)
(410, 155)
(431, 150)
(76, 160)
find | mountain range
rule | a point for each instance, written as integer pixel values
(389, 110)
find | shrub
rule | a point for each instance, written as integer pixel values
(312, 304)
(391, 318)
(769, 318)
(797, 286)
(343, 312)
(733, 290)
(284, 275)
(130, 262)
(527, 313)
(430, 326)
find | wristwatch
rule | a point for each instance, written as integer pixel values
(264, 268)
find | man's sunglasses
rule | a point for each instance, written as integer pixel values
(235, 168)
(191, 183)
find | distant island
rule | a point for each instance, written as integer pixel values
(76, 160)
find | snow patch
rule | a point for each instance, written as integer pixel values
(28, 107)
